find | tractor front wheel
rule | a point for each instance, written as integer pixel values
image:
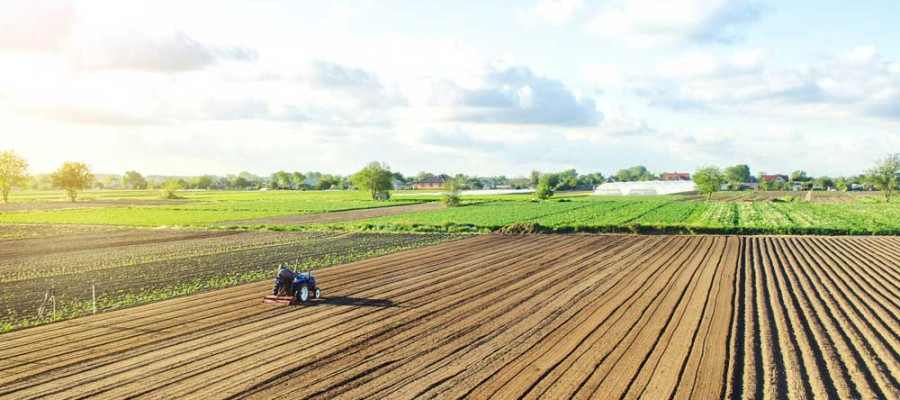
(318, 293)
(303, 293)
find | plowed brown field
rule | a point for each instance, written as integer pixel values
(509, 317)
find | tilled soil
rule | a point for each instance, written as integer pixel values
(336, 216)
(588, 316)
(128, 266)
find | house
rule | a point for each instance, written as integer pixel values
(397, 184)
(430, 183)
(675, 176)
(776, 178)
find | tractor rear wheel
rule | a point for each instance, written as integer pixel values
(303, 293)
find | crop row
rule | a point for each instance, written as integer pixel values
(188, 214)
(179, 273)
(619, 215)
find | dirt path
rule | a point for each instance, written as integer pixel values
(336, 216)
(585, 316)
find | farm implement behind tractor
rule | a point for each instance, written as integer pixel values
(293, 288)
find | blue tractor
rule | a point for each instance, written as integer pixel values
(293, 287)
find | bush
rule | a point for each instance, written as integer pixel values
(544, 188)
(452, 189)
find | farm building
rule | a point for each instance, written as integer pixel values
(431, 182)
(776, 178)
(397, 184)
(675, 176)
(645, 188)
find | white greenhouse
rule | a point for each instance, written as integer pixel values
(645, 188)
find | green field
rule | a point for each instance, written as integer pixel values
(651, 215)
(189, 214)
(730, 212)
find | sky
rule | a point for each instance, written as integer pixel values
(475, 87)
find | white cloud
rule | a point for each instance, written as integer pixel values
(603, 74)
(702, 64)
(35, 25)
(858, 83)
(554, 12)
(166, 52)
(516, 95)
(661, 22)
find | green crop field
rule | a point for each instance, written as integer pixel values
(189, 213)
(728, 212)
(642, 214)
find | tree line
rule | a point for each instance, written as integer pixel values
(73, 177)
(883, 176)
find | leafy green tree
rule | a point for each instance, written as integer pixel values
(885, 175)
(171, 187)
(205, 182)
(240, 182)
(452, 190)
(284, 179)
(737, 174)
(763, 183)
(534, 178)
(327, 181)
(13, 172)
(108, 181)
(591, 180)
(799, 176)
(375, 177)
(72, 177)
(134, 180)
(709, 179)
(824, 182)
(297, 179)
(634, 174)
(422, 175)
(545, 186)
(41, 182)
(841, 184)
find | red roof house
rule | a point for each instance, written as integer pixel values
(676, 176)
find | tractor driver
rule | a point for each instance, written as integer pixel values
(285, 274)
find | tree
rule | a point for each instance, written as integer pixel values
(134, 180)
(545, 187)
(633, 174)
(327, 181)
(886, 175)
(799, 176)
(205, 182)
(737, 174)
(824, 182)
(375, 177)
(283, 179)
(13, 172)
(452, 189)
(297, 179)
(590, 179)
(72, 177)
(534, 178)
(108, 181)
(171, 187)
(841, 184)
(41, 182)
(240, 182)
(422, 175)
(763, 183)
(709, 180)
